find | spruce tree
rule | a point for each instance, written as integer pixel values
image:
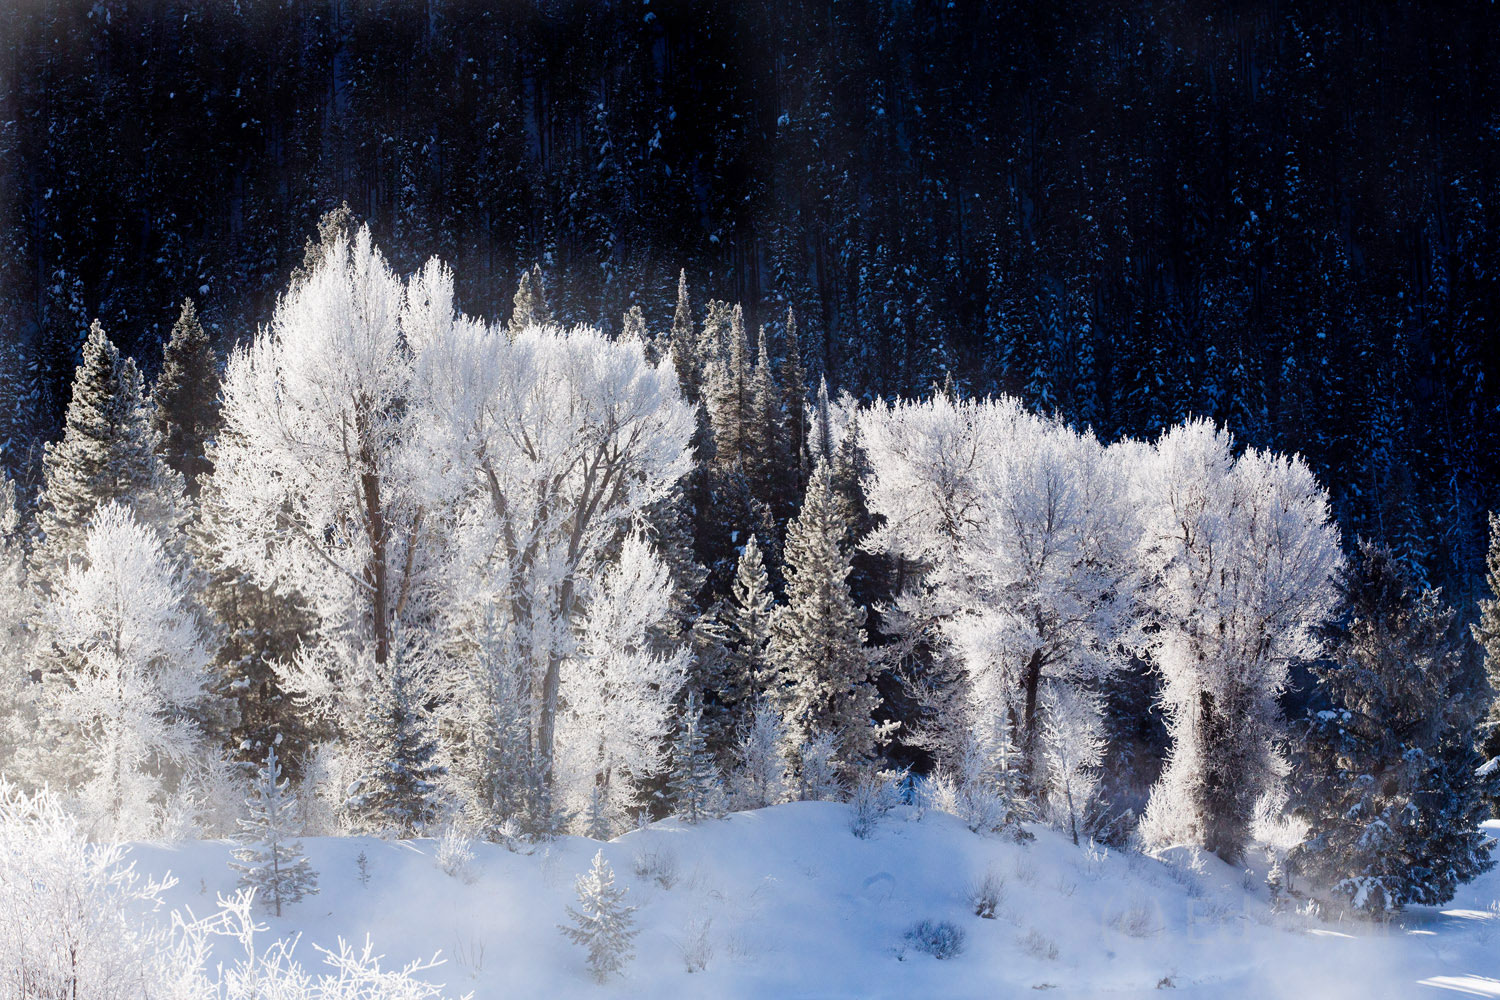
(696, 789)
(107, 452)
(270, 858)
(185, 405)
(1394, 790)
(747, 617)
(766, 459)
(602, 922)
(761, 770)
(1487, 634)
(530, 305)
(684, 343)
(817, 637)
(730, 399)
(399, 795)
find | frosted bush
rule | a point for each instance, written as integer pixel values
(1137, 920)
(659, 865)
(986, 893)
(455, 852)
(696, 946)
(875, 794)
(1038, 945)
(940, 939)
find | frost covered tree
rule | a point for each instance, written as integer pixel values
(794, 403)
(544, 449)
(747, 618)
(1073, 744)
(108, 451)
(761, 772)
(602, 922)
(185, 405)
(1240, 556)
(530, 305)
(728, 392)
(270, 859)
(1018, 531)
(825, 680)
(1487, 634)
(767, 459)
(683, 344)
(1394, 789)
(399, 793)
(819, 765)
(696, 788)
(120, 712)
(17, 694)
(619, 690)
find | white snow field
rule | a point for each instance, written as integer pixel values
(791, 904)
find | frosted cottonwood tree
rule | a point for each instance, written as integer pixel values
(1240, 556)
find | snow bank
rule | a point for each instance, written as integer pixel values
(785, 902)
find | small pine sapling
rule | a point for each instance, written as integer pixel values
(602, 922)
(696, 788)
(760, 779)
(271, 860)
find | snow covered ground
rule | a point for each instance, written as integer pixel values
(791, 904)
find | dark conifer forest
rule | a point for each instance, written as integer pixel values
(1279, 216)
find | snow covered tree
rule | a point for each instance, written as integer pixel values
(530, 306)
(1018, 532)
(602, 922)
(17, 711)
(731, 403)
(817, 638)
(1394, 789)
(399, 792)
(747, 618)
(1487, 634)
(270, 859)
(819, 765)
(767, 461)
(108, 451)
(618, 689)
(761, 772)
(684, 343)
(1240, 555)
(794, 404)
(545, 449)
(120, 712)
(696, 787)
(1073, 744)
(185, 405)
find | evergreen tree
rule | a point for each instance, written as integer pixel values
(761, 771)
(185, 399)
(817, 637)
(530, 306)
(684, 343)
(767, 461)
(602, 922)
(107, 452)
(17, 717)
(695, 787)
(270, 858)
(1487, 633)
(1394, 785)
(730, 399)
(747, 617)
(400, 793)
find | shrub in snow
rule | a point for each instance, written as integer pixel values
(986, 893)
(455, 851)
(1138, 920)
(270, 859)
(818, 769)
(940, 939)
(696, 946)
(659, 865)
(875, 794)
(602, 922)
(1038, 945)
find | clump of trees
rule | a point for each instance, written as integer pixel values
(532, 577)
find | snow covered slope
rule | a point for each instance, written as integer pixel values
(791, 904)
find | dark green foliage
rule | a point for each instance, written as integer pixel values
(185, 398)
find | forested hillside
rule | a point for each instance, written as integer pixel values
(1279, 216)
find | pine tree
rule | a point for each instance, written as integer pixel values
(766, 459)
(185, 404)
(602, 922)
(1394, 785)
(1487, 634)
(530, 306)
(747, 618)
(270, 859)
(684, 343)
(730, 400)
(400, 793)
(107, 452)
(817, 637)
(696, 788)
